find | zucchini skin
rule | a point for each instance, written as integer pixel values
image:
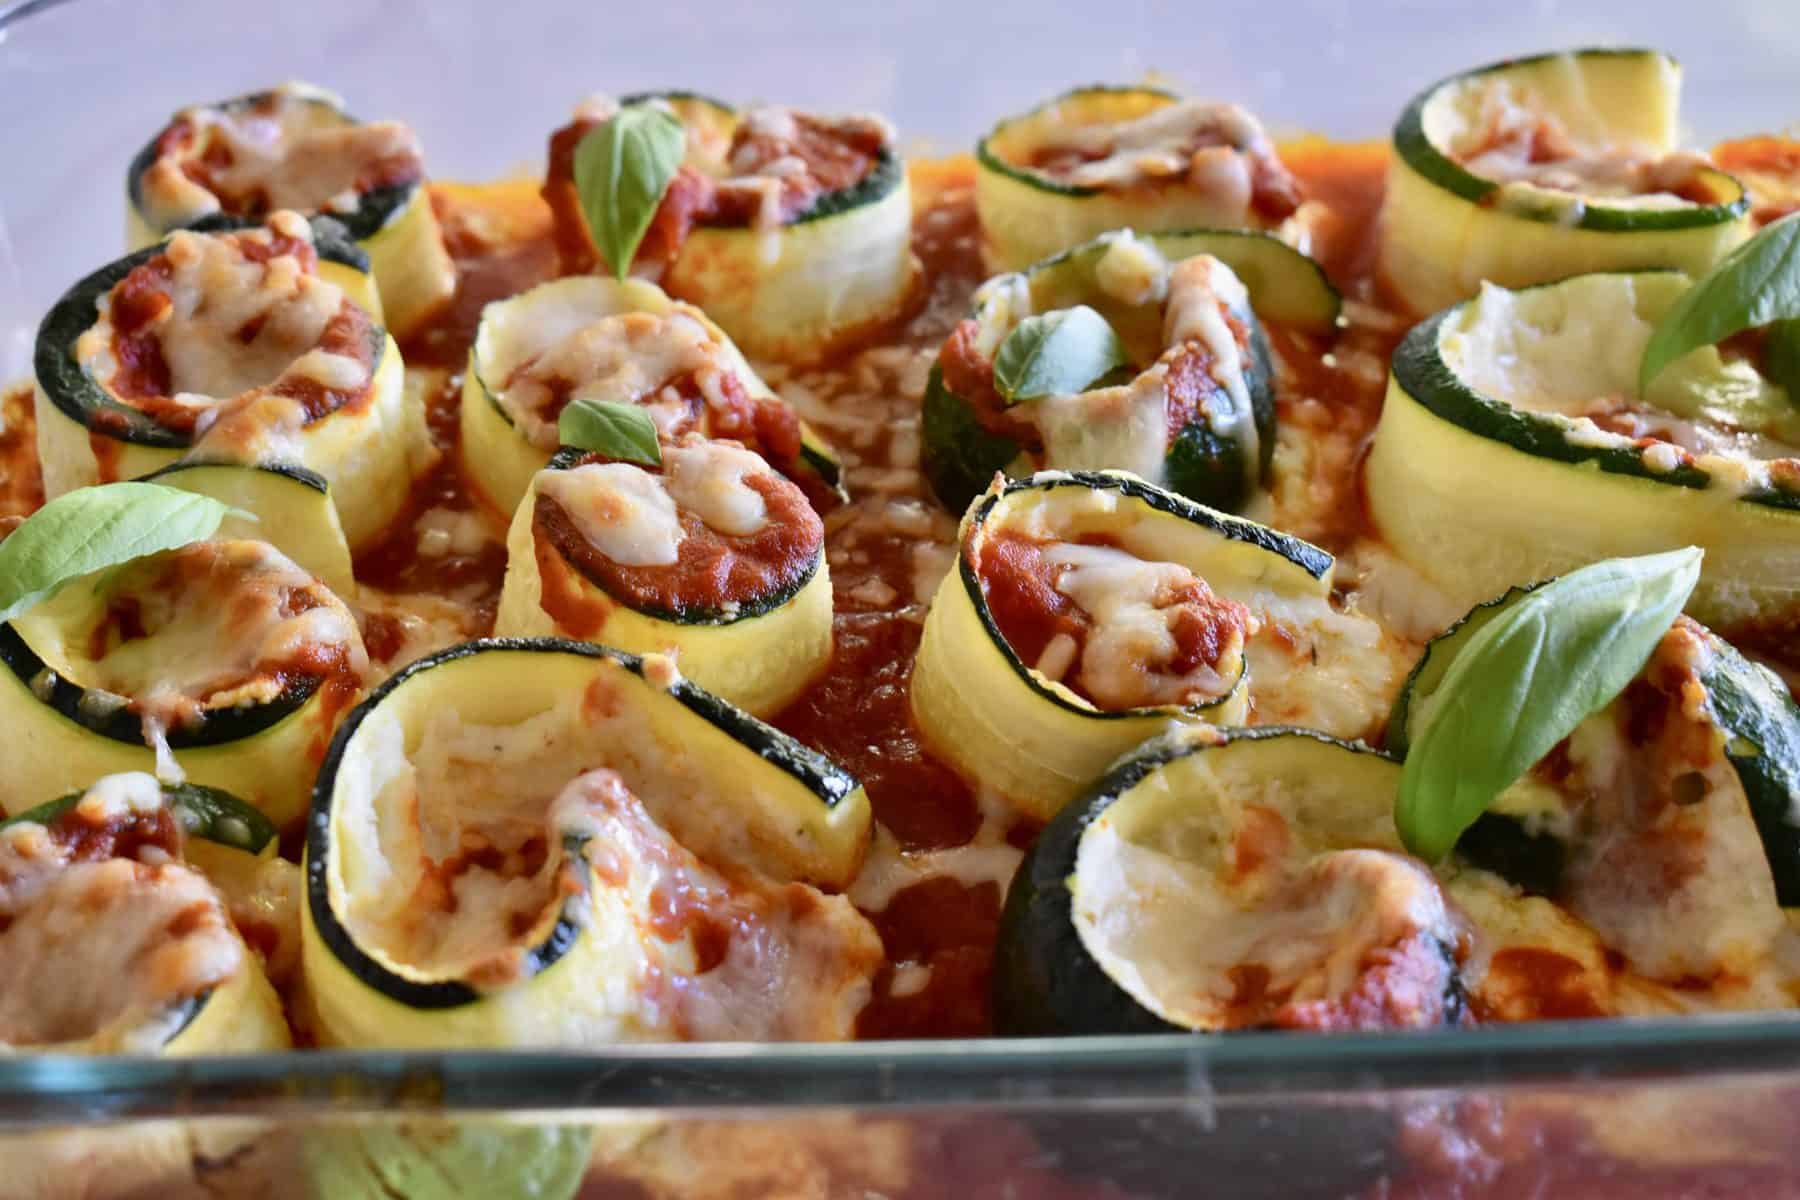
(368, 489)
(1437, 213)
(1480, 496)
(396, 225)
(761, 658)
(960, 456)
(994, 720)
(362, 1002)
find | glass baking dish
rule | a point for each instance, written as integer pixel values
(1679, 1108)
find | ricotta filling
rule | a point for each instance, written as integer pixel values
(299, 152)
(1512, 141)
(1570, 352)
(233, 326)
(633, 516)
(211, 626)
(104, 952)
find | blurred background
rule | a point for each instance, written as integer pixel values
(84, 82)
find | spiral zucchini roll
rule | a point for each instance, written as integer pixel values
(1102, 158)
(1514, 444)
(1193, 409)
(294, 147)
(221, 659)
(1645, 862)
(1221, 880)
(113, 944)
(543, 842)
(596, 339)
(247, 345)
(1538, 168)
(791, 229)
(1086, 613)
(711, 558)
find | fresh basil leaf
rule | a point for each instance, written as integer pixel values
(1781, 356)
(622, 431)
(622, 169)
(1755, 284)
(1525, 680)
(93, 528)
(1057, 354)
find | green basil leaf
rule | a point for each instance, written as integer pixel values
(622, 431)
(93, 528)
(1525, 680)
(1057, 354)
(622, 169)
(1781, 356)
(1755, 284)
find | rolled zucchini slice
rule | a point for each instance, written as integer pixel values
(545, 842)
(295, 147)
(1514, 445)
(221, 660)
(1198, 414)
(245, 345)
(791, 229)
(1102, 158)
(628, 342)
(292, 509)
(1221, 880)
(1087, 612)
(711, 558)
(1723, 754)
(1537, 168)
(113, 943)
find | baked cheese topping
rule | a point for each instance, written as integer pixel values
(1506, 137)
(1571, 353)
(206, 628)
(1241, 924)
(1218, 150)
(106, 938)
(291, 147)
(218, 321)
(712, 528)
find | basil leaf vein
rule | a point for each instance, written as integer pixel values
(1756, 284)
(1525, 680)
(1056, 354)
(621, 431)
(93, 528)
(622, 169)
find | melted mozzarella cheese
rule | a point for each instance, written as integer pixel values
(1117, 428)
(1201, 290)
(1192, 137)
(623, 511)
(707, 479)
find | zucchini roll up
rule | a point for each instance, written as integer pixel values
(242, 345)
(1643, 865)
(1538, 168)
(294, 147)
(1221, 880)
(543, 842)
(792, 229)
(113, 943)
(710, 557)
(1192, 405)
(627, 342)
(1514, 444)
(221, 660)
(1102, 158)
(1088, 611)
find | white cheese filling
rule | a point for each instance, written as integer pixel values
(1205, 141)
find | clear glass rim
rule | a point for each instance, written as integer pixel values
(1037, 1073)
